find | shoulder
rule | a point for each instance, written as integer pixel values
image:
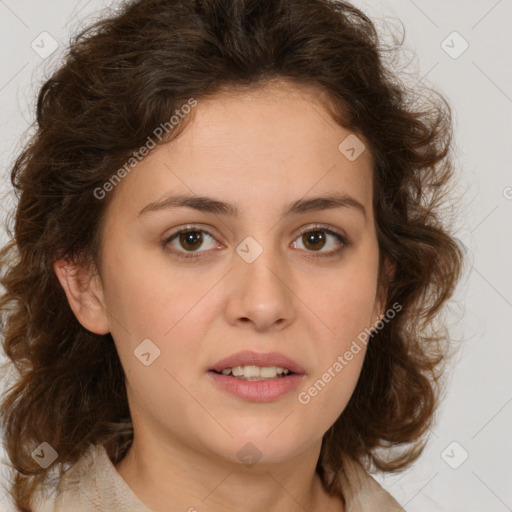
(91, 484)
(363, 493)
(57, 494)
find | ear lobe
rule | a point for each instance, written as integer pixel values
(390, 269)
(85, 295)
(382, 294)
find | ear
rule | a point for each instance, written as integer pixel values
(84, 292)
(389, 269)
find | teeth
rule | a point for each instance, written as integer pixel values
(267, 372)
(251, 372)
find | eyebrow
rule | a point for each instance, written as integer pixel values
(210, 205)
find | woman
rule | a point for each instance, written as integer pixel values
(227, 261)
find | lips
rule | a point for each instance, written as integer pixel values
(250, 358)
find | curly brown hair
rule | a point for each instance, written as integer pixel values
(122, 77)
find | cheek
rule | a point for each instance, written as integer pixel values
(345, 307)
(157, 332)
(327, 395)
(150, 294)
(339, 359)
(345, 304)
(157, 321)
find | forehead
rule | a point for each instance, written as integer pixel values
(268, 144)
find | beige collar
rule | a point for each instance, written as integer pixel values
(93, 483)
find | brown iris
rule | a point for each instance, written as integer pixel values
(311, 239)
(191, 238)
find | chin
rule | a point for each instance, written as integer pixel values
(262, 448)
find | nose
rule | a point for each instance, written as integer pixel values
(260, 293)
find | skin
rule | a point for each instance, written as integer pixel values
(261, 149)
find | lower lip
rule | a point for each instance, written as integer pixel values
(257, 390)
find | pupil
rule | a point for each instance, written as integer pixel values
(313, 237)
(189, 238)
(193, 239)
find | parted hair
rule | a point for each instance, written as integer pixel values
(123, 76)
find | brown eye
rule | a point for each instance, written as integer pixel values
(191, 240)
(189, 243)
(314, 240)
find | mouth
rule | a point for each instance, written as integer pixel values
(257, 377)
(256, 373)
(249, 365)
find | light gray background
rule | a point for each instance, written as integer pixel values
(478, 85)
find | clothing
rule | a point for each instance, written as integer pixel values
(93, 485)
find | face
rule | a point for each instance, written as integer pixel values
(300, 283)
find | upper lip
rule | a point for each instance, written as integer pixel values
(261, 359)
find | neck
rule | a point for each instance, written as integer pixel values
(192, 481)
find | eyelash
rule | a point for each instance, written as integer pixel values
(196, 254)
